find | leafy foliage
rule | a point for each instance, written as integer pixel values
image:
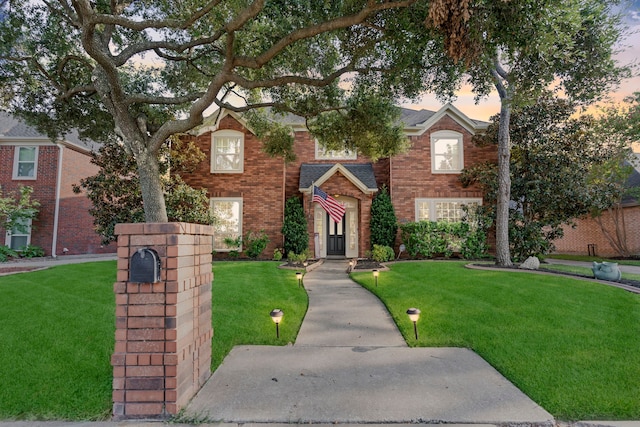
(294, 227)
(115, 190)
(381, 253)
(428, 239)
(31, 251)
(255, 243)
(86, 67)
(553, 159)
(16, 208)
(384, 224)
(6, 252)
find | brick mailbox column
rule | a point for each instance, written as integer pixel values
(163, 330)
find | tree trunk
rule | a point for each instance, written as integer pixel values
(503, 254)
(151, 187)
(501, 80)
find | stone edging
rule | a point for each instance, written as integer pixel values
(307, 269)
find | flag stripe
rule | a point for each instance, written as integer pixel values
(335, 209)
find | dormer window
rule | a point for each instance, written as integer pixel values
(227, 152)
(446, 152)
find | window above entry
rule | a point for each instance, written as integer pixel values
(446, 152)
(227, 152)
(323, 154)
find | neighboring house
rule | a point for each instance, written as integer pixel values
(248, 188)
(587, 237)
(28, 158)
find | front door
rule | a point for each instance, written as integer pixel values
(335, 237)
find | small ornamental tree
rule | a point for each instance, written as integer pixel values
(115, 190)
(384, 224)
(294, 228)
(17, 209)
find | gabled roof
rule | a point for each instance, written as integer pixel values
(360, 175)
(14, 130)
(416, 122)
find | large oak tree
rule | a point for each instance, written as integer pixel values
(147, 70)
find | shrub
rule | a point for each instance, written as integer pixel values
(300, 258)
(294, 227)
(6, 252)
(426, 238)
(255, 243)
(382, 253)
(31, 251)
(384, 225)
(233, 243)
(277, 254)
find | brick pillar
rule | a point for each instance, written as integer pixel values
(163, 337)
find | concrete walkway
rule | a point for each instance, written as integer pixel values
(351, 365)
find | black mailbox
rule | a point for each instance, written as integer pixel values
(145, 266)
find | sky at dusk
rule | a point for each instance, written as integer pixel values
(487, 107)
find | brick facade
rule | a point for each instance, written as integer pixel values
(588, 232)
(162, 353)
(267, 182)
(75, 230)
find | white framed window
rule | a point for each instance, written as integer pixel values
(227, 212)
(25, 163)
(446, 152)
(227, 152)
(323, 154)
(19, 237)
(449, 210)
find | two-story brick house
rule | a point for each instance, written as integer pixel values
(28, 158)
(248, 189)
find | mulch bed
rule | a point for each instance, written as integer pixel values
(6, 270)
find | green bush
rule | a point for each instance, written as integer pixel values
(427, 239)
(382, 253)
(277, 254)
(6, 252)
(294, 227)
(384, 224)
(31, 251)
(233, 243)
(298, 258)
(255, 243)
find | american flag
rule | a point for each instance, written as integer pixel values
(334, 209)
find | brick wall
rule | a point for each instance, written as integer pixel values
(75, 224)
(44, 191)
(162, 353)
(587, 232)
(411, 172)
(261, 186)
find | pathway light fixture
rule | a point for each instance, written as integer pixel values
(414, 315)
(299, 277)
(276, 315)
(376, 273)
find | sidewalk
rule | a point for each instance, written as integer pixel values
(351, 365)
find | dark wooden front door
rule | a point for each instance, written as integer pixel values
(335, 237)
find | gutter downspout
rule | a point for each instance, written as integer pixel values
(56, 214)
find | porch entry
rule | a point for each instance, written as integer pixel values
(335, 237)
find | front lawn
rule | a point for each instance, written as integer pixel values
(571, 345)
(57, 332)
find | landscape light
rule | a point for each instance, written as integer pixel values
(414, 315)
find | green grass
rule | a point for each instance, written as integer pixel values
(583, 271)
(244, 293)
(571, 345)
(56, 340)
(592, 258)
(57, 332)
